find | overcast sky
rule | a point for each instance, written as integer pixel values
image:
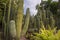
(32, 5)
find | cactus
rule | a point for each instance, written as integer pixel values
(12, 28)
(19, 19)
(13, 9)
(41, 16)
(41, 25)
(52, 22)
(26, 23)
(8, 19)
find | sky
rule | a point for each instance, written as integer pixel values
(32, 5)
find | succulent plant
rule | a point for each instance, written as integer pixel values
(12, 28)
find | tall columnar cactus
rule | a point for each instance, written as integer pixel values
(12, 15)
(12, 29)
(58, 15)
(47, 17)
(8, 19)
(52, 21)
(26, 23)
(41, 25)
(19, 19)
(43, 15)
(59, 5)
(38, 16)
(35, 26)
(13, 9)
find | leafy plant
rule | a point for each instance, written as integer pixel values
(46, 34)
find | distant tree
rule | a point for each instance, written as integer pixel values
(54, 7)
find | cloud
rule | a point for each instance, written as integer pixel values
(32, 5)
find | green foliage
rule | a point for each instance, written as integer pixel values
(46, 34)
(54, 7)
(52, 22)
(3, 1)
(42, 19)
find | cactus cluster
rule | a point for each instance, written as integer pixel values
(13, 27)
(17, 25)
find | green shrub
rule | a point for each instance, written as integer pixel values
(46, 34)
